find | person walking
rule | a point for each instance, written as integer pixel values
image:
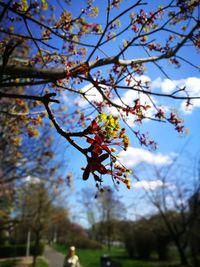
(71, 260)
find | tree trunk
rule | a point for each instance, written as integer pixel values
(36, 246)
(182, 255)
(108, 244)
(195, 259)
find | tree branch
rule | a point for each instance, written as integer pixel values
(56, 73)
(160, 94)
(46, 99)
(31, 97)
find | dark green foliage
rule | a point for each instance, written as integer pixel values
(139, 240)
(161, 236)
(161, 246)
(41, 263)
(13, 263)
(194, 235)
(84, 243)
(88, 243)
(73, 234)
(144, 243)
(130, 245)
(18, 250)
(144, 237)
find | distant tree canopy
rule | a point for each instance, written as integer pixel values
(93, 53)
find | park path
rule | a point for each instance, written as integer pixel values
(54, 258)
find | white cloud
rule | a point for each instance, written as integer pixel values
(134, 156)
(156, 83)
(129, 96)
(150, 185)
(192, 87)
(166, 86)
(92, 94)
(143, 80)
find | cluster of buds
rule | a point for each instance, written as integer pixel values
(178, 123)
(120, 174)
(143, 18)
(117, 69)
(125, 138)
(115, 3)
(154, 47)
(145, 140)
(175, 62)
(64, 21)
(160, 114)
(138, 68)
(138, 110)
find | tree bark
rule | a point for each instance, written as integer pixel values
(182, 254)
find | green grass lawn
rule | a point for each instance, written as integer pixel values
(41, 263)
(91, 258)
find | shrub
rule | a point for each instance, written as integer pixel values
(88, 244)
(18, 250)
(9, 263)
(144, 244)
(162, 244)
(129, 245)
(84, 243)
(139, 240)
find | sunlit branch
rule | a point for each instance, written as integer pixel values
(34, 41)
(107, 26)
(140, 34)
(24, 16)
(31, 72)
(11, 113)
(157, 65)
(60, 74)
(17, 84)
(41, 40)
(113, 104)
(99, 89)
(62, 132)
(46, 99)
(30, 97)
(171, 52)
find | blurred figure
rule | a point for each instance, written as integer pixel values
(71, 260)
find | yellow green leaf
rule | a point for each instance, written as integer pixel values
(44, 5)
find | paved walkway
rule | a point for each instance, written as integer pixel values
(54, 258)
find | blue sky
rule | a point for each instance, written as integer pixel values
(170, 141)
